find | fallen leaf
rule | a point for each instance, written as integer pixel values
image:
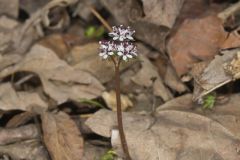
(169, 75)
(195, 40)
(110, 99)
(31, 149)
(60, 81)
(213, 75)
(162, 12)
(233, 40)
(13, 100)
(30, 6)
(9, 8)
(92, 152)
(227, 114)
(19, 39)
(13, 135)
(61, 136)
(20, 119)
(56, 43)
(144, 78)
(169, 135)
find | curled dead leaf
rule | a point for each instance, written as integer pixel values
(212, 75)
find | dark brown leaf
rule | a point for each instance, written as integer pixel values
(195, 40)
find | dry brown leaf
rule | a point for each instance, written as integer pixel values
(9, 8)
(233, 40)
(20, 119)
(92, 152)
(110, 99)
(61, 136)
(227, 114)
(13, 135)
(10, 99)
(10, 31)
(144, 78)
(6, 27)
(28, 150)
(162, 12)
(56, 43)
(60, 81)
(19, 39)
(213, 75)
(30, 6)
(169, 75)
(195, 40)
(171, 134)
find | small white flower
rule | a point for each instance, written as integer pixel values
(124, 57)
(122, 33)
(120, 45)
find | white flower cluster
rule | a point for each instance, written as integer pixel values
(120, 45)
(122, 33)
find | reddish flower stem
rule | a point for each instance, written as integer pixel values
(119, 113)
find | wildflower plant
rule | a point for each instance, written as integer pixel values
(121, 44)
(120, 48)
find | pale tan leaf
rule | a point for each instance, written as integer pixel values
(214, 74)
(60, 81)
(162, 12)
(9, 8)
(27, 150)
(171, 134)
(144, 78)
(110, 99)
(10, 99)
(61, 136)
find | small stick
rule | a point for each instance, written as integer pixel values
(24, 79)
(229, 11)
(100, 18)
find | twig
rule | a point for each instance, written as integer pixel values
(24, 79)
(100, 18)
(229, 11)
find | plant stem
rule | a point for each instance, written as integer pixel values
(119, 113)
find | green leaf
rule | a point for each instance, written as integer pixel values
(94, 32)
(90, 31)
(109, 155)
(91, 102)
(209, 101)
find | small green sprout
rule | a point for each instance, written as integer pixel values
(91, 103)
(94, 32)
(209, 101)
(109, 155)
